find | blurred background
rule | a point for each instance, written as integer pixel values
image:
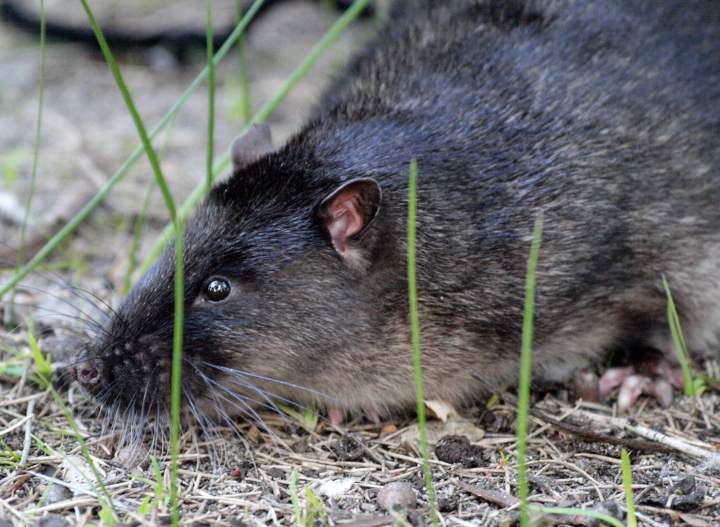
(87, 132)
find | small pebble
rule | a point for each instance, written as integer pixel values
(397, 495)
(52, 520)
(57, 493)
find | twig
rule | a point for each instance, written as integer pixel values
(582, 431)
(30, 414)
(671, 443)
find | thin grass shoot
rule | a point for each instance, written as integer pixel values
(689, 386)
(36, 151)
(627, 485)
(526, 373)
(211, 96)
(415, 336)
(245, 103)
(179, 288)
(42, 363)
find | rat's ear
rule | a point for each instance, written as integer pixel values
(251, 146)
(346, 214)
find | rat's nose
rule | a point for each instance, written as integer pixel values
(87, 370)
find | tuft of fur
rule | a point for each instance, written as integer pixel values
(603, 117)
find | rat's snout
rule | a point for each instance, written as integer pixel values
(87, 370)
(127, 373)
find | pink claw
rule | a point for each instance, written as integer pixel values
(672, 374)
(632, 387)
(662, 391)
(612, 378)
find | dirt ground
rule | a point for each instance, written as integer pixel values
(344, 475)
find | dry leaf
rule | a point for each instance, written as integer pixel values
(440, 410)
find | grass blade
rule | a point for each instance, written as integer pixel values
(525, 372)
(679, 342)
(627, 484)
(565, 511)
(175, 395)
(135, 244)
(415, 335)
(246, 101)
(139, 125)
(36, 148)
(42, 364)
(211, 96)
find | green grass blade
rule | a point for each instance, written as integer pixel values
(100, 196)
(246, 101)
(44, 378)
(211, 96)
(176, 372)
(179, 282)
(627, 484)
(135, 245)
(38, 135)
(525, 372)
(130, 104)
(565, 511)
(679, 342)
(223, 162)
(415, 335)
(36, 147)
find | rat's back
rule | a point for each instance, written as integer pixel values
(602, 117)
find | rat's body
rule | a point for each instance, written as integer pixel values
(602, 117)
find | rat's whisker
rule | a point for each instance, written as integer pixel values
(214, 384)
(267, 394)
(240, 402)
(243, 373)
(66, 302)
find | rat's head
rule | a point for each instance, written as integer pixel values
(278, 295)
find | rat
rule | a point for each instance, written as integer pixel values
(602, 118)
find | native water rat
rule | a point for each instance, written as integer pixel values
(602, 117)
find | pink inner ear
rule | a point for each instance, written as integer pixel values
(344, 219)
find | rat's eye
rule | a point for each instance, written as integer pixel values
(217, 289)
